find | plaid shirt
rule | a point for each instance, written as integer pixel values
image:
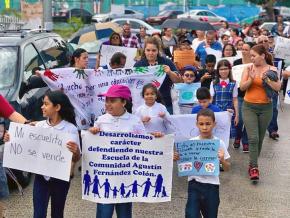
(131, 41)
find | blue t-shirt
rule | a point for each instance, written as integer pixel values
(213, 107)
(201, 52)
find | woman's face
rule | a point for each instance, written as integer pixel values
(246, 50)
(114, 106)
(256, 58)
(151, 52)
(240, 45)
(168, 32)
(82, 61)
(115, 40)
(228, 52)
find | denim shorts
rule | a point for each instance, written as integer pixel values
(4, 191)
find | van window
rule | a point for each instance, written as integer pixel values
(32, 61)
(54, 52)
(8, 66)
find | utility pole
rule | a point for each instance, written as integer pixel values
(47, 15)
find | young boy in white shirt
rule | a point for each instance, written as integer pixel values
(203, 191)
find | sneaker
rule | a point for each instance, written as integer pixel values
(254, 173)
(245, 148)
(274, 135)
(237, 143)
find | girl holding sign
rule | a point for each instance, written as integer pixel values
(60, 116)
(224, 91)
(118, 118)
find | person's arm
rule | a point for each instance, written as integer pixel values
(224, 162)
(174, 77)
(247, 78)
(275, 85)
(286, 74)
(17, 117)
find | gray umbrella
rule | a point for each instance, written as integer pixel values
(187, 23)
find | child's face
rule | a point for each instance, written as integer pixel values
(210, 67)
(224, 72)
(149, 96)
(188, 77)
(48, 109)
(114, 106)
(204, 103)
(205, 124)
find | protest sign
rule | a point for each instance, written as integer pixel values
(287, 95)
(107, 51)
(185, 126)
(198, 158)
(230, 59)
(181, 58)
(237, 72)
(187, 92)
(42, 152)
(282, 48)
(126, 167)
(84, 86)
(216, 53)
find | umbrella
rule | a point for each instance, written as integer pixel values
(95, 32)
(186, 23)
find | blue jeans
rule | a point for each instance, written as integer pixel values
(124, 210)
(43, 190)
(241, 131)
(273, 126)
(4, 191)
(202, 199)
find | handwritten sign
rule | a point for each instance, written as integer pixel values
(183, 58)
(83, 87)
(107, 51)
(287, 95)
(187, 92)
(42, 152)
(198, 158)
(185, 126)
(237, 72)
(282, 48)
(126, 167)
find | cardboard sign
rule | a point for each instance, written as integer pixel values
(183, 58)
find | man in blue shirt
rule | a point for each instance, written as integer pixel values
(210, 42)
(204, 101)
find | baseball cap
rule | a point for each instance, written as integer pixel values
(118, 91)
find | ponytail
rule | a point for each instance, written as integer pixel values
(269, 58)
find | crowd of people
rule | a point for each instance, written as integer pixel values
(252, 103)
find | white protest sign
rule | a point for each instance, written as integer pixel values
(230, 59)
(185, 126)
(237, 72)
(287, 94)
(39, 151)
(282, 48)
(83, 87)
(107, 51)
(126, 167)
(216, 53)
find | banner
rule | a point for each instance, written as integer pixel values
(126, 167)
(107, 51)
(237, 72)
(282, 48)
(185, 126)
(39, 151)
(84, 86)
(287, 95)
(187, 92)
(198, 158)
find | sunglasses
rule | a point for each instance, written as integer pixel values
(189, 75)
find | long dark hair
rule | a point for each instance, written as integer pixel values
(155, 90)
(66, 112)
(223, 63)
(116, 34)
(233, 50)
(260, 49)
(77, 53)
(129, 105)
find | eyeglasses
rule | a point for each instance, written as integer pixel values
(189, 75)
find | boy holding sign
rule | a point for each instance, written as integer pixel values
(203, 191)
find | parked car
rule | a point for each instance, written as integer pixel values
(136, 24)
(202, 15)
(63, 16)
(162, 16)
(269, 25)
(21, 54)
(128, 13)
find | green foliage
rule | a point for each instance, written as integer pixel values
(76, 23)
(11, 12)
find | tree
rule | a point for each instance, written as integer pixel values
(268, 5)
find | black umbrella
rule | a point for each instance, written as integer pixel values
(187, 23)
